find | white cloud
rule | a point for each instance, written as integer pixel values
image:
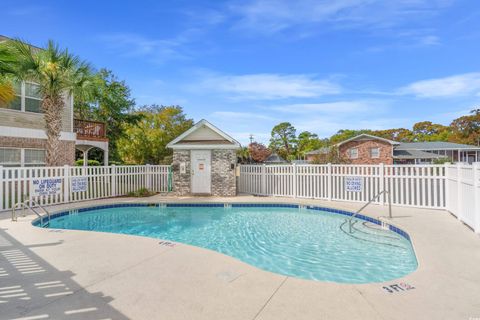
(232, 115)
(271, 16)
(157, 50)
(266, 86)
(453, 86)
(429, 40)
(334, 108)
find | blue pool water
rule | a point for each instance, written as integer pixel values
(302, 243)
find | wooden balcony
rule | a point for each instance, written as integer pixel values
(90, 130)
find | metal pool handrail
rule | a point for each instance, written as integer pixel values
(28, 204)
(368, 203)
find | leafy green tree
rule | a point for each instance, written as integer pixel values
(345, 134)
(398, 134)
(428, 131)
(243, 155)
(308, 141)
(283, 140)
(466, 129)
(57, 73)
(145, 142)
(111, 103)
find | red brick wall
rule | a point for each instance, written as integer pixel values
(67, 148)
(364, 147)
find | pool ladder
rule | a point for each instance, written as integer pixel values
(31, 204)
(350, 220)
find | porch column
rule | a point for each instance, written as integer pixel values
(85, 157)
(105, 157)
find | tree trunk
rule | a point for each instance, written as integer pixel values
(53, 107)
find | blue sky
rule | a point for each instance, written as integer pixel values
(323, 65)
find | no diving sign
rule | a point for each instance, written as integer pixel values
(354, 184)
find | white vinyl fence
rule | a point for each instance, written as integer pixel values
(463, 193)
(451, 187)
(53, 185)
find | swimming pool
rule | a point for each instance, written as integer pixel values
(310, 243)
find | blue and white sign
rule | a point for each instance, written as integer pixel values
(45, 187)
(79, 184)
(354, 184)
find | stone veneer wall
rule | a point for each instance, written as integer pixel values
(364, 146)
(181, 182)
(223, 176)
(67, 148)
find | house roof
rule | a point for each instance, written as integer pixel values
(324, 150)
(275, 158)
(365, 136)
(415, 154)
(435, 145)
(204, 135)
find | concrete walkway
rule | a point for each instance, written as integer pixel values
(68, 274)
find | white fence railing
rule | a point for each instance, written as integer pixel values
(451, 187)
(69, 184)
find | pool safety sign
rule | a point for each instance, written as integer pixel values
(354, 184)
(79, 184)
(45, 187)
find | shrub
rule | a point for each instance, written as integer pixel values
(90, 163)
(441, 160)
(142, 192)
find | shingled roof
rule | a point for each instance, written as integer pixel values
(415, 154)
(435, 145)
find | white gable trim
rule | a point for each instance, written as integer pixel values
(364, 135)
(173, 144)
(204, 146)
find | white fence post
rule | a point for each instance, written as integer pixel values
(447, 186)
(381, 175)
(263, 180)
(459, 192)
(66, 186)
(476, 194)
(148, 181)
(329, 182)
(2, 198)
(114, 180)
(294, 168)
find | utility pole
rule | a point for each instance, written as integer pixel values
(251, 138)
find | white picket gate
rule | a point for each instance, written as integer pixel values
(101, 182)
(452, 187)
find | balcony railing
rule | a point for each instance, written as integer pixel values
(89, 130)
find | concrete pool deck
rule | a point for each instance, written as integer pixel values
(69, 274)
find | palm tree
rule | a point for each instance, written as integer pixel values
(59, 75)
(7, 93)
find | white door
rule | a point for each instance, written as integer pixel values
(201, 171)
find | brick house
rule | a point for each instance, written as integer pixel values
(366, 149)
(369, 149)
(22, 130)
(204, 161)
